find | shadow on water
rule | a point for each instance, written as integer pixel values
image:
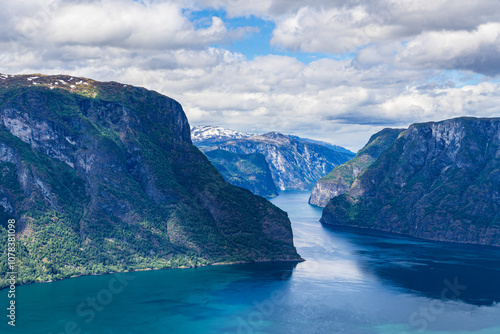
(432, 269)
(177, 300)
(263, 274)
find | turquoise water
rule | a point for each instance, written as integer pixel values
(349, 283)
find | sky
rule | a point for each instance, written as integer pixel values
(330, 70)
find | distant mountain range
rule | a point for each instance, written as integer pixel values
(294, 163)
(437, 181)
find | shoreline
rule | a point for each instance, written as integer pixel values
(151, 269)
(379, 232)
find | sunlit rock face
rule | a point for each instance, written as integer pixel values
(294, 164)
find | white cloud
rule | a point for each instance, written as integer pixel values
(325, 96)
(118, 23)
(319, 30)
(269, 9)
(437, 34)
(477, 50)
(389, 83)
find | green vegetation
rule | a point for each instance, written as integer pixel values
(440, 181)
(249, 171)
(110, 182)
(340, 179)
(348, 171)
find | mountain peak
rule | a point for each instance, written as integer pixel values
(275, 135)
(208, 133)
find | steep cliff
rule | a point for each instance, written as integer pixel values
(339, 180)
(294, 164)
(438, 181)
(330, 146)
(249, 171)
(103, 177)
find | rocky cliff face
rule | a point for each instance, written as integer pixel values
(249, 171)
(103, 177)
(439, 181)
(294, 164)
(330, 146)
(339, 180)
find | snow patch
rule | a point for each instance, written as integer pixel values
(72, 142)
(205, 132)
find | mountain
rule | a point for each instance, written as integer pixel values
(207, 137)
(249, 171)
(339, 180)
(332, 147)
(103, 177)
(437, 181)
(294, 164)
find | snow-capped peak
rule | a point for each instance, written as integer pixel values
(215, 133)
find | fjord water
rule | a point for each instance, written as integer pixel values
(351, 282)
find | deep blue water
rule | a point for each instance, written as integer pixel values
(351, 282)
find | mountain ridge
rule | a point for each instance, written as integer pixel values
(295, 163)
(340, 179)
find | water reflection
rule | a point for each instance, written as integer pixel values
(363, 258)
(351, 283)
(436, 270)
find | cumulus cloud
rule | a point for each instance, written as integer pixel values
(477, 50)
(376, 20)
(321, 100)
(397, 76)
(117, 23)
(270, 9)
(437, 34)
(336, 30)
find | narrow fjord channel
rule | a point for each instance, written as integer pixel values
(349, 283)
